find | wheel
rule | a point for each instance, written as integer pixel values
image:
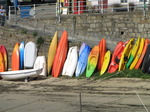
(26, 79)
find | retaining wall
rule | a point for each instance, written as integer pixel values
(81, 28)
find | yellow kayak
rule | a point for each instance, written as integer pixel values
(133, 52)
(52, 52)
(105, 62)
(125, 55)
(141, 46)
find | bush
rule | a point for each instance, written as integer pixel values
(39, 42)
(35, 34)
(23, 31)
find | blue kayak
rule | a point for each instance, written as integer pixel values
(82, 61)
(21, 51)
(82, 47)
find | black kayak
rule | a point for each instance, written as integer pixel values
(146, 62)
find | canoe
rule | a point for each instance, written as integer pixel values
(92, 61)
(15, 61)
(137, 57)
(71, 62)
(82, 47)
(25, 74)
(20, 74)
(30, 54)
(143, 54)
(133, 52)
(21, 52)
(52, 52)
(106, 62)
(4, 53)
(146, 61)
(61, 55)
(82, 61)
(116, 57)
(102, 52)
(125, 55)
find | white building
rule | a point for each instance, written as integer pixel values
(126, 1)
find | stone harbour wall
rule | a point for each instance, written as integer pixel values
(81, 28)
(91, 28)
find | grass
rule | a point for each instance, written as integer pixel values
(39, 42)
(134, 73)
(35, 34)
(23, 31)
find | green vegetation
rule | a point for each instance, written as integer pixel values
(122, 74)
(23, 31)
(39, 42)
(35, 34)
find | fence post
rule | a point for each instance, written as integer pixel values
(15, 15)
(144, 11)
(34, 10)
(56, 9)
(128, 7)
(59, 11)
(102, 4)
(9, 14)
(80, 99)
(78, 7)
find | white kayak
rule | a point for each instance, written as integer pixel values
(39, 68)
(71, 62)
(38, 62)
(30, 54)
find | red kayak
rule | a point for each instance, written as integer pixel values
(4, 53)
(61, 54)
(116, 57)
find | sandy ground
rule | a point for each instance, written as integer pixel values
(62, 94)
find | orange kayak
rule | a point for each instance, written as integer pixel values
(15, 58)
(102, 51)
(143, 54)
(61, 54)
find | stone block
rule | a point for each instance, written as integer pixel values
(109, 24)
(92, 25)
(137, 20)
(121, 25)
(89, 29)
(147, 26)
(130, 25)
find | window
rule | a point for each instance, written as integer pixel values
(123, 1)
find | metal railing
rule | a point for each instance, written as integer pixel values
(32, 11)
(81, 7)
(71, 8)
